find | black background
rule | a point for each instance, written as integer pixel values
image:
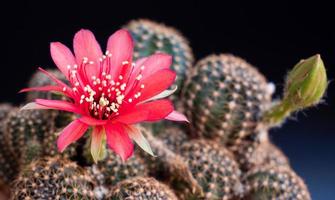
(271, 35)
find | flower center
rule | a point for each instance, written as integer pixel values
(102, 96)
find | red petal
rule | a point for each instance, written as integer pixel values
(151, 64)
(47, 88)
(119, 141)
(135, 72)
(155, 63)
(157, 110)
(133, 116)
(70, 134)
(62, 57)
(91, 121)
(58, 105)
(85, 45)
(120, 45)
(155, 84)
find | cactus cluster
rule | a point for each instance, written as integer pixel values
(223, 153)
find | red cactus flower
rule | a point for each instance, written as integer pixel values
(109, 92)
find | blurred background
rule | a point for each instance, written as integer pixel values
(272, 36)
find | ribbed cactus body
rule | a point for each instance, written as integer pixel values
(173, 138)
(224, 97)
(23, 126)
(53, 178)
(113, 170)
(141, 188)
(151, 37)
(4, 110)
(8, 163)
(49, 145)
(214, 168)
(274, 182)
(256, 151)
(30, 134)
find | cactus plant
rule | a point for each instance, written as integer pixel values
(151, 37)
(53, 178)
(143, 188)
(224, 97)
(274, 182)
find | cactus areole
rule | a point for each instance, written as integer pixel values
(109, 92)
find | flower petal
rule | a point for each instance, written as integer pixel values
(47, 88)
(62, 57)
(136, 135)
(58, 105)
(70, 134)
(119, 141)
(98, 143)
(85, 45)
(155, 63)
(135, 72)
(151, 65)
(176, 116)
(163, 94)
(91, 121)
(132, 116)
(157, 110)
(120, 45)
(155, 84)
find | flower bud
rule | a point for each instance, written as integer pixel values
(306, 83)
